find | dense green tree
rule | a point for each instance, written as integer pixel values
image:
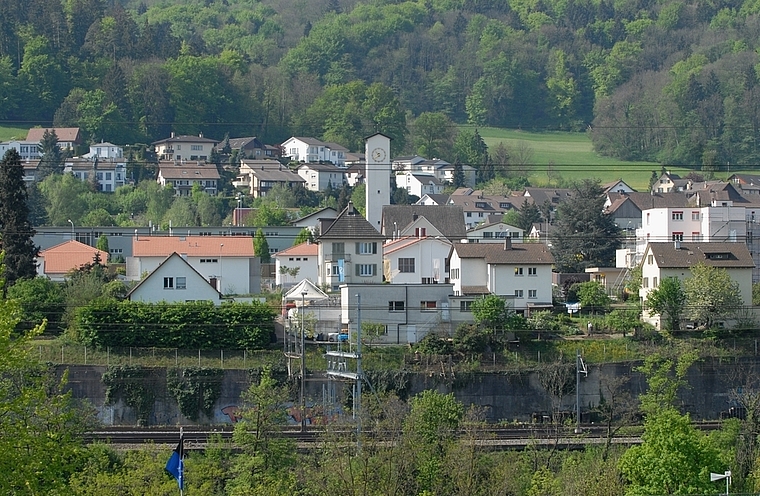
(528, 215)
(41, 300)
(669, 301)
(52, 156)
(432, 135)
(710, 294)
(261, 246)
(64, 197)
(15, 229)
(303, 236)
(470, 149)
(583, 235)
(42, 78)
(592, 295)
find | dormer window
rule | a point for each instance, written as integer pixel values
(718, 256)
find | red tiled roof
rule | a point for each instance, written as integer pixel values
(62, 258)
(193, 246)
(65, 134)
(302, 249)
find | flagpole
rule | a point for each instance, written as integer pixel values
(181, 464)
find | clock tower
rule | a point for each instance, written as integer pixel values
(377, 177)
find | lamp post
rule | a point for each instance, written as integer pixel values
(303, 365)
(726, 475)
(72, 229)
(221, 246)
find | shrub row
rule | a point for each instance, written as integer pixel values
(194, 325)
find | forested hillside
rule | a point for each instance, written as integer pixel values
(670, 81)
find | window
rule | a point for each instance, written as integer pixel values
(518, 293)
(650, 259)
(677, 216)
(677, 236)
(168, 283)
(469, 214)
(406, 265)
(428, 305)
(366, 248)
(338, 248)
(395, 306)
(532, 271)
(654, 282)
(365, 270)
(454, 273)
(695, 216)
(181, 283)
(429, 280)
(196, 148)
(179, 147)
(465, 306)
(209, 260)
(645, 282)
(532, 293)
(518, 271)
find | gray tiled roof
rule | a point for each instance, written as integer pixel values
(683, 255)
(475, 290)
(350, 225)
(495, 253)
(185, 139)
(439, 199)
(449, 219)
(645, 201)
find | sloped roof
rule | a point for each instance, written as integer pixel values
(159, 267)
(322, 167)
(427, 178)
(240, 143)
(193, 246)
(185, 139)
(308, 287)
(448, 219)
(401, 243)
(646, 201)
(495, 253)
(65, 134)
(69, 255)
(301, 249)
(683, 255)
(439, 199)
(188, 170)
(350, 224)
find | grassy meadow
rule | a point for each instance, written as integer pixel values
(570, 156)
(8, 133)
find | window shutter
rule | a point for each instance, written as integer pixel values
(357, 269)
(374, 248)
(358, 248)
(374, 269)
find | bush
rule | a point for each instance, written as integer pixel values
(469, 338)
(434, 344)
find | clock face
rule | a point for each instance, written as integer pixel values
(378, 154)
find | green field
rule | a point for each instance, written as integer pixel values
(8, 133)
(571, 155)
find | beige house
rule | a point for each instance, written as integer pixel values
(184, 147)
(675, 259)
(182, 176)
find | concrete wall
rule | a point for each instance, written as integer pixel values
(507, 397)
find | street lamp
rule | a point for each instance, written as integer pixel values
(726, 475)
(303, 365)
(72, 229)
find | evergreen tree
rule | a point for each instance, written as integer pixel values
(529, 214)
(16, 230)
(52, 156)
(458, 179)
(584, 236)
(261, 247)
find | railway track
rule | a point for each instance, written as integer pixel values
(197, 437)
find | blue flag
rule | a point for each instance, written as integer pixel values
(175, 465)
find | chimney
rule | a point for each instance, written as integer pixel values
(350, 208)
(508, 243)
(172, 134)
(677, 245)
(200, 135)
(415, 216)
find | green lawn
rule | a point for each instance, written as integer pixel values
(571, 155)
(7, 133)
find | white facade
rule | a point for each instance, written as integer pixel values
(494, 233)
(418, 184)
(296, 264)
(317, 177)
(377, 177)
(174, 281)
(105, 150)
(416, 260)
(29, 150)
(184, 148)
(229, 275)
(347, 261)
(303, 149)
(110, 174)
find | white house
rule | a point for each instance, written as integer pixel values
(494, 230)
(419, 184)
(416, 260)
(401, 221)
(312, 221)
(28, 150)
(184, 148)
(227, 262)
(477, 206)
(260, 176)
(674, 259)
(317, 177)
(305, 149)
(68, 137)
(297, 263)
(174, 280)
(105, 150)
(109, 173)
(522, 272)
(350, 250)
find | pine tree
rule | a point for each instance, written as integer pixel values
(261, 246)
(16, 231)
(52, 156)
